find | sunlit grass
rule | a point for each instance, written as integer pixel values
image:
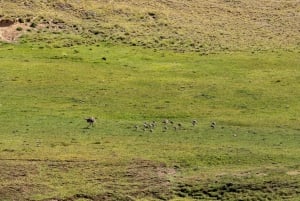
(47, 92)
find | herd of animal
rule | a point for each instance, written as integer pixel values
(165, 125)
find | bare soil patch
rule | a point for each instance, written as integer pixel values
(6, 23)
(10, 30)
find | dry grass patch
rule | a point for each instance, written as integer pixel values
(201, 26)
(150, 179)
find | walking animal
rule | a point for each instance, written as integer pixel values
(90, 121)
(213, 124)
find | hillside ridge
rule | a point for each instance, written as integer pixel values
(190, 25)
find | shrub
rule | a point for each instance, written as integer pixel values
(33, 25)
(19, 28)
(21, 20)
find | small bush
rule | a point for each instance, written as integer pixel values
(19, 28)
(21, 20)
(33, 25)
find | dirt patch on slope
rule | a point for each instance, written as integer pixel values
(11, 30)
(6, 23)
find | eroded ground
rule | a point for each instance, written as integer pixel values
(138, 179)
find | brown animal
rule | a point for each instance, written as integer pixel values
(213, 124)
(90, 121)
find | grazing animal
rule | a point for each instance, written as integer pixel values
(90, 121)
(146, 125)
(152, 125)
(166, 121)
(165, 128)
(213, 124)
(194, 122)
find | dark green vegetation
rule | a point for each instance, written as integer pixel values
(47, 151)
(232, 62)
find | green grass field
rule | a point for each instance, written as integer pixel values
(48, 153)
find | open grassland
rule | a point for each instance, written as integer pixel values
(199, 26)
(65, 68)
(48, 153)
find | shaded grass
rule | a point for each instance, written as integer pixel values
(47, 151)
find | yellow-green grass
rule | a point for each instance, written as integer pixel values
(46, 151)
(202, 26)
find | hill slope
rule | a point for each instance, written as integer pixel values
(204, 26)
(144, 145)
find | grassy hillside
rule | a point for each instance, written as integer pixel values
(48, 153)
(202, 26)
(132, 65)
